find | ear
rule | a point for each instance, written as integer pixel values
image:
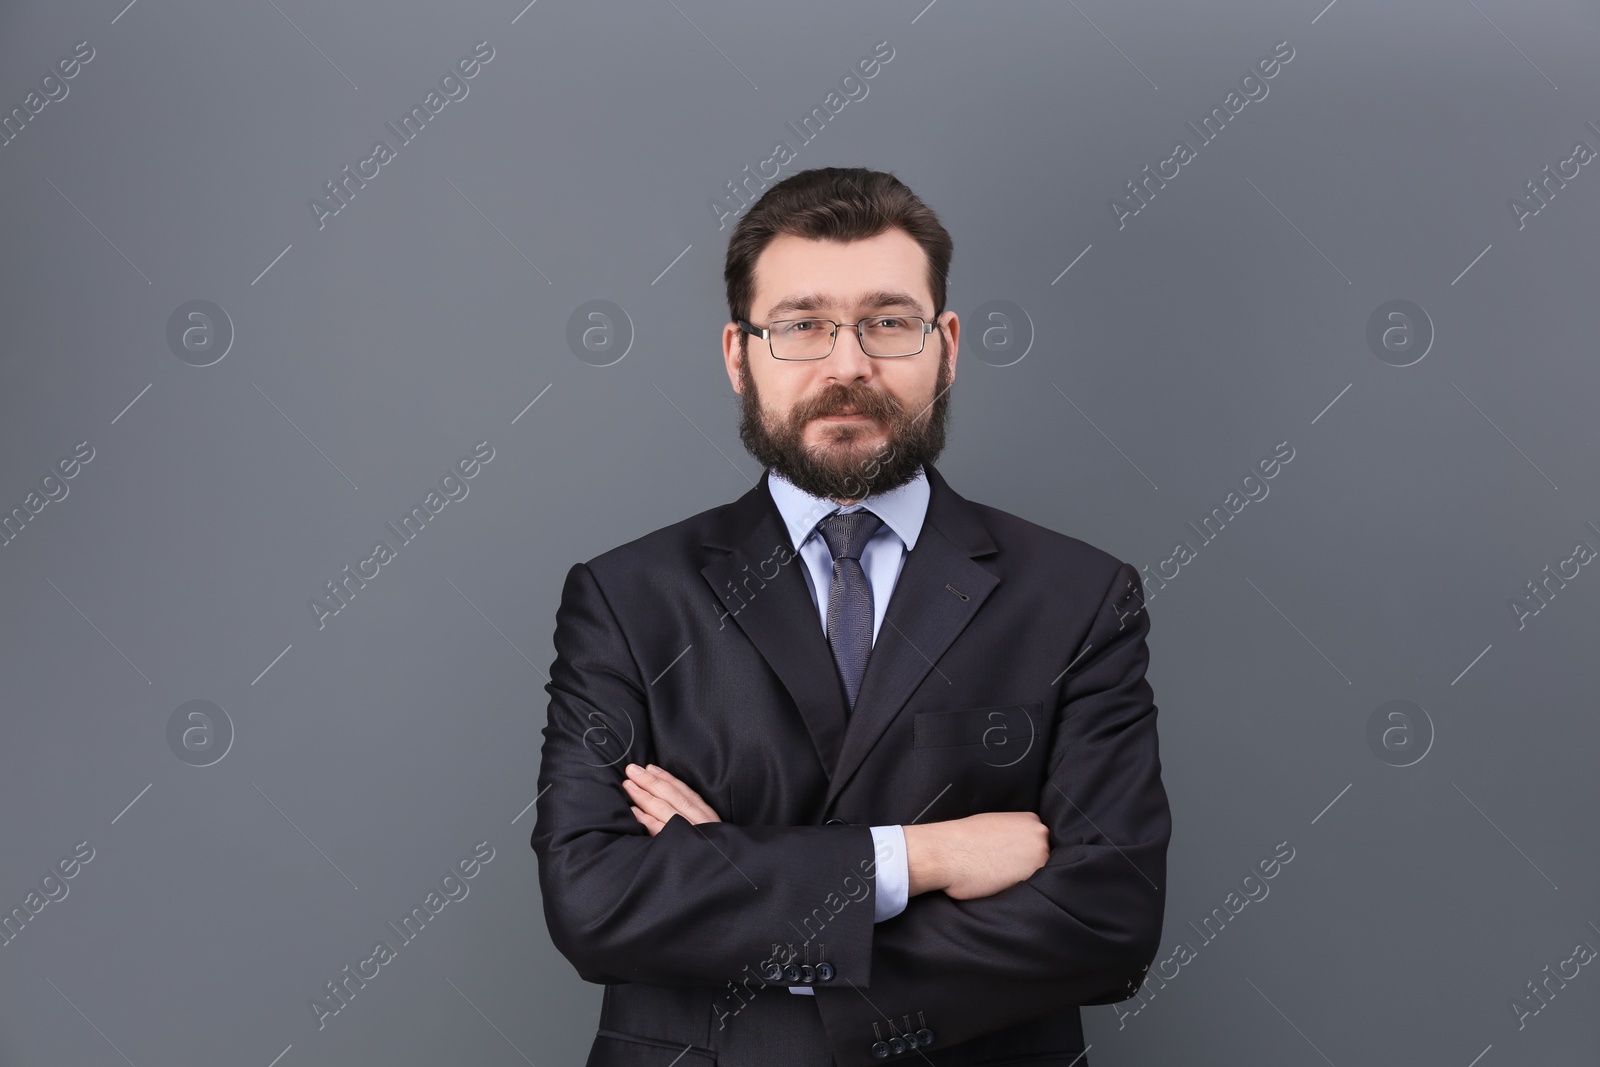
(952, 326)
(730, 353)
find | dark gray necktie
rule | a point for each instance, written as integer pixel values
(850, 595)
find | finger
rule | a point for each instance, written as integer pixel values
(653, 825)
(669, 791)
(652, 805)
(686, 800)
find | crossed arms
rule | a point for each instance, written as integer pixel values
(643, 883)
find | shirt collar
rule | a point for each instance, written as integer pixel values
(901, 509)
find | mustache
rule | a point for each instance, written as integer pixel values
(869, 402)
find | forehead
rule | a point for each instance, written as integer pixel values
(802, 273)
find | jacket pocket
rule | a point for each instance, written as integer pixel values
(613, 1048)
(1000, 727)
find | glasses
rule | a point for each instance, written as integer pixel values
(882, 336)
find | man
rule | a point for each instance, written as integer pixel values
(851, 768)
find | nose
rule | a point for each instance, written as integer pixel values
(847, 361)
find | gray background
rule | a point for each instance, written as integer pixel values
(368, 756)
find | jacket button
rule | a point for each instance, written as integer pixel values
(772, 973)
(808, 973)
(792, 974)
(897, 1045)
(924, 1037)
(825, 972)
(880, 1050)
(835, 822)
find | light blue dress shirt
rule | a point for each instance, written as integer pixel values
(902, 511)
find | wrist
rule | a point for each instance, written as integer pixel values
(925, 858)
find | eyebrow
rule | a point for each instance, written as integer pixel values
(880, 298)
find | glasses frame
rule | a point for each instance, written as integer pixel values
(765, 333)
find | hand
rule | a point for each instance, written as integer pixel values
(977, 856)
(657, 796)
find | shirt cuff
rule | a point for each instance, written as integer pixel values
(893, 873)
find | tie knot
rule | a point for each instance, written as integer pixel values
(847, 533)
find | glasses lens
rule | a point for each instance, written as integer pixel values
(801, 338)
(882, 335)
(891, 335)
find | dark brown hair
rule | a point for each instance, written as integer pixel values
(834, 204)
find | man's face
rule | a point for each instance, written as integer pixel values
(849, 425)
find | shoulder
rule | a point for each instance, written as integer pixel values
(1031, 547)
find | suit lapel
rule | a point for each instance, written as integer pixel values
(939, 590)
(776, 612)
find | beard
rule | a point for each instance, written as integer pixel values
(847, 466)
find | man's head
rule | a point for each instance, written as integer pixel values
(846, 244)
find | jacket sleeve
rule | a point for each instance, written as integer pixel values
(695, 904)
(1085, 926)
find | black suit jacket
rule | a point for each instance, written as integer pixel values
(1008, 675)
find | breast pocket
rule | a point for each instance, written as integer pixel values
(1004, 734)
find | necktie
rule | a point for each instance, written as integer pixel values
(850, 595)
